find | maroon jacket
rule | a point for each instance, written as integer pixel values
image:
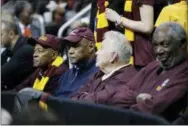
(101, 92)
(52, 84)
(167, 101)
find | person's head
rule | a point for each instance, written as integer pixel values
(81, 45)
(8, 33)
(6, 117)
(115, 50)
(23, 11)
(46, 49)
(58, 15)
(169, 44)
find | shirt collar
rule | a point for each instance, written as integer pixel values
(84, 64)
(106, 76)
(22, 26)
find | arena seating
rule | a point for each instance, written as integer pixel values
(83, 113)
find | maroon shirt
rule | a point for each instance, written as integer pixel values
(166, 102)
(52, 84)
(142, 49)
(101, 92)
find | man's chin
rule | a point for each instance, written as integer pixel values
(5, 46)
(73, 62)
(99, 65)
(166, 66)
(36, 65)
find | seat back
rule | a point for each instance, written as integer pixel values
(7, 100)
(81, 113)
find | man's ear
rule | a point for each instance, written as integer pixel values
(91, 47)
(11, 34)
(183, 44)
(115, 57)
(55, 54)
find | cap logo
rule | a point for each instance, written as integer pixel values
(44, 38)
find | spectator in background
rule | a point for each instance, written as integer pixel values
(23, 12)
(160, 88)
(115, 70)
(16, 59)
(83, 22)
(39, 7)
(57, 21)
(179, 15)
(98, 21)
(9, 7)
(138, 21)
(49, 64)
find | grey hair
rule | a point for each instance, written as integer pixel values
(8, 21)
(10, 26)
(119, 44)
(174, 30)
(20, 5)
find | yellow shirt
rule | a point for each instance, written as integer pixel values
(175, 13)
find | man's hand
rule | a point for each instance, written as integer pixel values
(143, 97)
(112, 15)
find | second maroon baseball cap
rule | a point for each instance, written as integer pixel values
(78, 34)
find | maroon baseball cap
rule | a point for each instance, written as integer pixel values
(47, 40)
(79, 33)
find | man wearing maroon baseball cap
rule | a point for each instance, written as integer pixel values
(78, 34)
(81, 44)
(48, 40)
(81, 54)
(49, 64)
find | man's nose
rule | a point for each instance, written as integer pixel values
(97, 53)
(71, 50)
(159, 50)
(35, 55)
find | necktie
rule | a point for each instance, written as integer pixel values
(27, 32)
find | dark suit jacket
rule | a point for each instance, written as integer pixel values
(19, 66)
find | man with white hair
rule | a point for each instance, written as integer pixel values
(115, 70)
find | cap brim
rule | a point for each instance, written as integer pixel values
(33, 41)
(73, 38)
